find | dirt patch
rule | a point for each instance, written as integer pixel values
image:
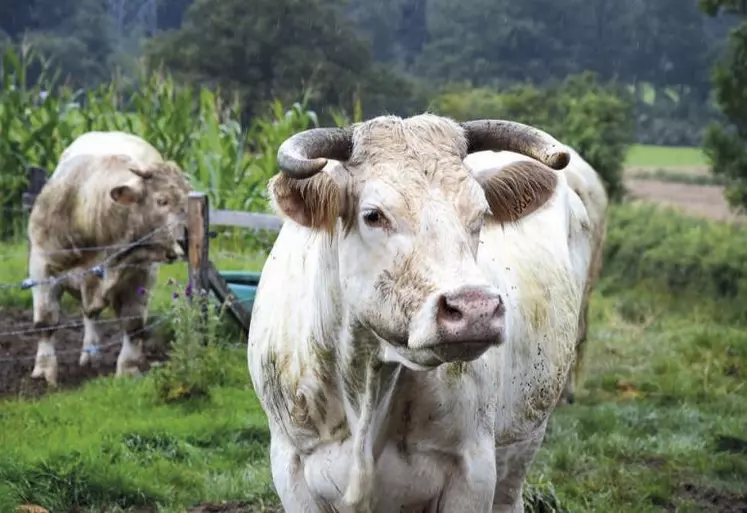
(712, 501)
(632, 171)
(18, 348)
(699, 200)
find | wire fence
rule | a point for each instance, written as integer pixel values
(112, 258)
(101, 269)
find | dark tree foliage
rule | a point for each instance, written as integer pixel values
(725, 144)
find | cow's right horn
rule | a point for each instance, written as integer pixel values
(305, 154)
(501, 135)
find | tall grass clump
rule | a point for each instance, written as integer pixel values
(195, 362)
(677, 257)
(198, 128)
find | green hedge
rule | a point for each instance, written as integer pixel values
(676, 256)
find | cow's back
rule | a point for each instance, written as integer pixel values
(110, 143)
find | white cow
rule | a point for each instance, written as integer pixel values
(113, 201)
(415, 321)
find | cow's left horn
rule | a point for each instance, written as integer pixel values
(305, 154)
(501, 135)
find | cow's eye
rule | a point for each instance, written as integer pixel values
(374, 218)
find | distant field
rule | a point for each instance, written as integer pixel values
(642, 155)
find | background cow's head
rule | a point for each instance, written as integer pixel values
(156, 201)
(407, 216)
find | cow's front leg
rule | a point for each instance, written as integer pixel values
(93, 304)
(46, 294)
(91, 352)
(513, 464)
(471, 487)
(290, 483)
(133, 315)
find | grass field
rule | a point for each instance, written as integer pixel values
(641, 155)
(658, 425)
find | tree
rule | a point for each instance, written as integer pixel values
(266, 49)
(725, 144)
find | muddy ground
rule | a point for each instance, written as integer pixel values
(18, 346)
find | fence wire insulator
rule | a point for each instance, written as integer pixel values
(28, 283)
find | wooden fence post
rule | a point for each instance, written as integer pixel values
(198, 244)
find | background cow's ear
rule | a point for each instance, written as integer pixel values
(518, 189)
(315, 202)
(124, 195)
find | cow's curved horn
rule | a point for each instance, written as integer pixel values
(501, 135)
(305, 154)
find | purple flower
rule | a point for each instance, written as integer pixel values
(141, 291)
(188, 290)
(174, 295)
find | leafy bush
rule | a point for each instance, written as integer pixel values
(195, 363)
(670, 253)
(596, 119)
(197, 128)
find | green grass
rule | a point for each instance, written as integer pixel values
(663, 156)
(653, 428)
(112, 444)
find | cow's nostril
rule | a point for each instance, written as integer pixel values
(448, 312)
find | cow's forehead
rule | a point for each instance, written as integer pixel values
(425, 138)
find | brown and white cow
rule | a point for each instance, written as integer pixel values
(585, 183)
(111, 191)
(416, 319)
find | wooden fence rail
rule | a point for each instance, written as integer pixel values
(203, 275)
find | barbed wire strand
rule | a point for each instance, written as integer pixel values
(80, 324)
(95, 349)
(97, 269)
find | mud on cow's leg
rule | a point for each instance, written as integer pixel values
(133, 316)
(513, 463)
(93, 305)
(91, 352)
(46, 298)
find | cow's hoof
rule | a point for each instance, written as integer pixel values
(128, 368)
(46, 368)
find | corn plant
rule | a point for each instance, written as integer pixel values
(196, 127)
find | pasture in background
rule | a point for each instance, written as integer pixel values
(658, 422)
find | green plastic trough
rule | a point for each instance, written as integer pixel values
(243, 284)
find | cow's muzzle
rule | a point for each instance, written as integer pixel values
(469, 320)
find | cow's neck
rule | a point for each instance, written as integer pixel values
(369, 386)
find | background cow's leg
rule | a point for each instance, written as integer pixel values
(133, 315)
(92, 306)
(46, 298)
(513, 464)
(91, 342)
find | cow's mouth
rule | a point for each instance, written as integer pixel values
(462, 351)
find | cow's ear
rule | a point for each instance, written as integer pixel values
(128, 193)
(315, 202)
(518, 189)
